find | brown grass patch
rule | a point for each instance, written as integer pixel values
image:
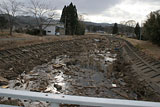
(146, 46)
(19, 39)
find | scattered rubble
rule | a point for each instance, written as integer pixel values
(89, 67)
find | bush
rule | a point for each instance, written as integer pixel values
(20, 30)
(34, 32)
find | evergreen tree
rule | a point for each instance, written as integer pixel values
(151, 29)
(115, 29)
(70, 18)
(137, 31)
(63, 14)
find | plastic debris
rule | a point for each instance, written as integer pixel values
(114, 85)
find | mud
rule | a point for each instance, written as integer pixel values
(133, 82)
(86, 67)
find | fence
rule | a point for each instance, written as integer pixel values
(55, 100)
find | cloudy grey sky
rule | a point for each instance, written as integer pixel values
(109, 11)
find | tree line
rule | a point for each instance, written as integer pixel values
(150, 30)
(96, 28)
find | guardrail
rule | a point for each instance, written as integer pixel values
(55, 100)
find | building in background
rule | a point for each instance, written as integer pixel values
(54, 28)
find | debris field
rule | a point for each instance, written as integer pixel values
(87, 66)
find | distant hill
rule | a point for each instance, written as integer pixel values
(26, 20)
(98, 24)
(22, 21)
(30, 20)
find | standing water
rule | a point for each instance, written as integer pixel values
(84, 75)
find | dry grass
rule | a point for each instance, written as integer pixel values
(25, 39)
(146, 46)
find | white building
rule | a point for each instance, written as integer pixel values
(54, 28)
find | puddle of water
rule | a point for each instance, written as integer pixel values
(71, 77)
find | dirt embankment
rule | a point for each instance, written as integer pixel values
(133, 83)
(146, 46)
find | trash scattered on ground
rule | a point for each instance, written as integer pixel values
(80, 67)
(84, 75)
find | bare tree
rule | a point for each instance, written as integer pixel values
(40, 10)
(131, 23)
(122, 22)
(122, 27)
(10, 8)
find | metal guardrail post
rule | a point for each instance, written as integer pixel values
(54, 105)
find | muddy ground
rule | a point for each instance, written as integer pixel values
(89, 66)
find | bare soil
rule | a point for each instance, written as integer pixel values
(134, 84)
(85, 62)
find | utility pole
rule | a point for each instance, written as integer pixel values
(65, 25)
(140, 33)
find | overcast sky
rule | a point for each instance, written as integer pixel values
(110, 11)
